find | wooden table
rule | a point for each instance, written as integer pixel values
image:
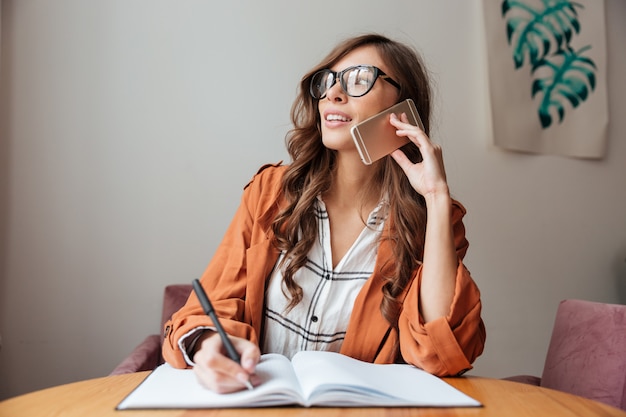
(98, 397)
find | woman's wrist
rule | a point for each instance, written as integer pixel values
(197, 343)
(439, 198)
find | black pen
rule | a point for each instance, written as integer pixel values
(208, 309)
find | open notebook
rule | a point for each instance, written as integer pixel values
(311, 378)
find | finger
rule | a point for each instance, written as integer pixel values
(402, 160)
(216, 370)
(402, 122)
(399, 122)
(228, 367)
(250, 354)
(209, 375)
(217, 382)
(413, 133)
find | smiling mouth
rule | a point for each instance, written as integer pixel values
(337, 118)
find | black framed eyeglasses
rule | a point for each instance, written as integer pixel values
(355, 81)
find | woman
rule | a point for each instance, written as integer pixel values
(331, 254)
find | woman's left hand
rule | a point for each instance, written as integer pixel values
(427, 177)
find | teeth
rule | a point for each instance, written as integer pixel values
(336, 117)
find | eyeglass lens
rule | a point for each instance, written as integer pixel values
(355, 81)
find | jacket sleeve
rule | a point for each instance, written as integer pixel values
(224, 280)
(448, 345)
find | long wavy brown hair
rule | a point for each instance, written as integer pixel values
(295, 226)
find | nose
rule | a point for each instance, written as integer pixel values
(336, 93)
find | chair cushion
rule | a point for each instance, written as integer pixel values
(587, 352)
(146, 356)
(524, 379)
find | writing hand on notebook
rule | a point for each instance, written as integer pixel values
(216, 371)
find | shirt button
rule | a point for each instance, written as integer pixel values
(314, 319)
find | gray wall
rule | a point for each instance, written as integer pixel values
(128, 129)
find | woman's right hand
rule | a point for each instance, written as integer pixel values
(216, 371)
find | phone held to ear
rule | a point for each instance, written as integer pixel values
(375, 137)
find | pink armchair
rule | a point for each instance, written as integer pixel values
(587, 352)
(147, 355)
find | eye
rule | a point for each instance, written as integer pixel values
(362, 77)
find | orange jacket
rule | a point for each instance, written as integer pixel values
(235, 280)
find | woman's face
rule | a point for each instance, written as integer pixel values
(339, 112)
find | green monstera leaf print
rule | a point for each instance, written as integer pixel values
(540, 34)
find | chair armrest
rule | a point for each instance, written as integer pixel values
(525, 379)
(145, 357)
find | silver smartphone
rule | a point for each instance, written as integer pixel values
(375, 137)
